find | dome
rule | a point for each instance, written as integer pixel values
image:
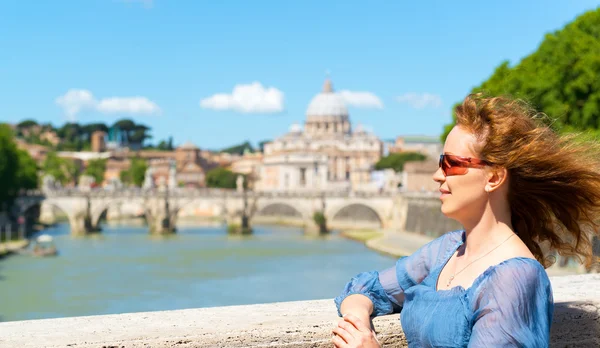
(327, 103)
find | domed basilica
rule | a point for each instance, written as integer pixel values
(327, 154)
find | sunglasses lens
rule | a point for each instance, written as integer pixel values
(452, 167)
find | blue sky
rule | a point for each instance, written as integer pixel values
(401, 64)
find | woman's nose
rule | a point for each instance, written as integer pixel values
(439, 176)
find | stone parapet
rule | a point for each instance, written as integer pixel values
(289, 324)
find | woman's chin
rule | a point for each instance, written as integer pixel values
(447, 210)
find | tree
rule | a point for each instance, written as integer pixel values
(27, 171)
(239, 149)
(71, 134)
(139, 134)
(125, 125)
(26, 124)
(261, 145)
(560, 78)
(396, 161)
(17, 169)
(62, 169)
(222, 178)
(9, 163)
(96, 168)
(88, 129)
(136, 173)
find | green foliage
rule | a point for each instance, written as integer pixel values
(222, 178)
(126, 125)
(63, 170)
(239, 149)
(136, 134)
(396, 161)
(96, 168)
(319, 218)
(139, 134)
(9, 163)
(261, 145)
(70, 133)
(17, 169)
(136, 172)
(77, 137)
(27, 171)
(560, 78)
(26, 124)
(87, 131)
(163, 145)
(237, 229)
(125, 177)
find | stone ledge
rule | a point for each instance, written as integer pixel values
(287, 324)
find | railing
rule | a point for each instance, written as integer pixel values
(213, 192)
(576, 323)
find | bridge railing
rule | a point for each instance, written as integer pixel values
(576, 323)
(210, 192)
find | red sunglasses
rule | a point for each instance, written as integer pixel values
(458, 165)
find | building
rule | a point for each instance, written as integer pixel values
(426, 145)
(98, 143)
(326, 154)
(114, 166)
(249, 164)
(37, 152)
(418, 176)
(191, 166)
(189, 162)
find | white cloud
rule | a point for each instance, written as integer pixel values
(251, 98)
(361, 99)
(420, 101)
(77, 100)
(131, 105)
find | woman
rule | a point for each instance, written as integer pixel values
(519, 190)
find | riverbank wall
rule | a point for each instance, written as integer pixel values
(9, 247)
(290, 324)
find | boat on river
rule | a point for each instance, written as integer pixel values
(44, 246)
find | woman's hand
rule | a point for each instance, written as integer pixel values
(352, 332)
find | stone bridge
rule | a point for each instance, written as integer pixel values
(161, 208)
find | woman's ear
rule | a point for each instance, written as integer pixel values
(496, 178)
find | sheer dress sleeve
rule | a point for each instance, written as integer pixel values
(513, 307)
(386, 288)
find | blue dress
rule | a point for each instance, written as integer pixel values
(509, 305)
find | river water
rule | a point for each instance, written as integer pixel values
(124, 269)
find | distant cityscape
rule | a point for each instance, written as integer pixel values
(326, 153)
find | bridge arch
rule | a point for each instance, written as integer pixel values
(32, 210)
(357, 215)
(279, 209)
(101, 207)
(197, 208)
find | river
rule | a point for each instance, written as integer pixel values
(124, 269)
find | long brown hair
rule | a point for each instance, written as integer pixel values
(554, 181)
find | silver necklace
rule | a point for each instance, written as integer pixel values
(477, 259)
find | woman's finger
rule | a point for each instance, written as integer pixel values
(339, 342)
(357, 323)
(345, 335)
(348, 327)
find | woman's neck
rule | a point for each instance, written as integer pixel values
(491, 229)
